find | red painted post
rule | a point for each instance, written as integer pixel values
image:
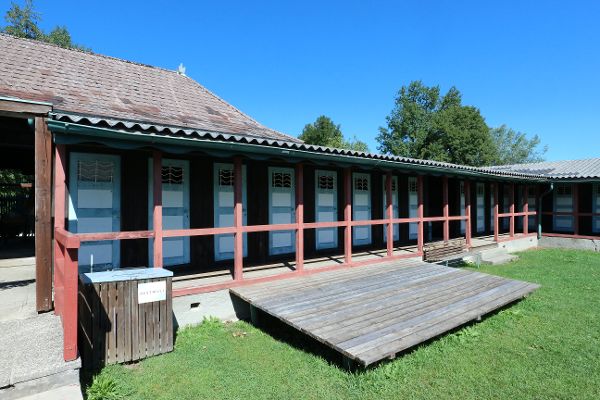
(390, 214)
(526, 209)
(238, 249)
(496, 219)
(468, 213)
(446, 209)
(512, 210)
(69, 314)
(60, 196)
(157, 212)
(300, 217)
(420, 238)
(575, 208)
(347, 216)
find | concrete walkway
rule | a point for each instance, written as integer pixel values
(17, 288)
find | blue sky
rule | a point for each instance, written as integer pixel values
(534, 66)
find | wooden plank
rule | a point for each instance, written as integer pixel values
(43, 215)
(142, 328)
(135, 324)
(126, 320)
(170, 332)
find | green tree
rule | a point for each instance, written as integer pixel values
(514, 147)
(426, 124)
(324, 132)
(23, 22)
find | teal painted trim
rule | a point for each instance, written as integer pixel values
(227, 149)
(75, 212)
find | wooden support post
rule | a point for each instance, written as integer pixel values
(238, 251)
(300, 218)
(420, 238)
(60, 198)
(512, 210)
(575, 208)
(69, 314)
(43, 215)
(389, 214)
(526, 209)
(468, 213)
(347, 216)
(157, 215)
(496, 219)
(446, 209)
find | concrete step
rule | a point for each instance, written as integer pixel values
(31, 357)
(500, 259)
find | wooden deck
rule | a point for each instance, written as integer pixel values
(374, 312)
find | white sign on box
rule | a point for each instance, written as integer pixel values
(152, 291)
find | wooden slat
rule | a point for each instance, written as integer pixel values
(374, 312)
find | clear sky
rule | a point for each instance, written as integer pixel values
(534, 66)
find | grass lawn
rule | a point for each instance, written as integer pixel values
(546, 346)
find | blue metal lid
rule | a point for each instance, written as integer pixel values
(127, 274)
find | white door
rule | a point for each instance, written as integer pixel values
(480, 199)
(563, 202)
(326, 208)
(281, 209)
(94, 207)
(223, 182)
(532, 205)
(175, 210)
(413, 207)
(361, 208)
(394, 208)
(463, 223)
(596, 207)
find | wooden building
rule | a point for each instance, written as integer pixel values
(136, 166)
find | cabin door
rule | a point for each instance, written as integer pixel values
(506, 206)
(326, 208)
(463, 223)
(175, 210)
(563, 202)
(413, 207)
(532, 205)
(394, 208)
(480, 202)
(492, 206)
(94, 207)
(596, 207)
(361, 208)
(224, 179)
(281, 209)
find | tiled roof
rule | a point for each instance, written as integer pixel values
(568, 169)
(87, 84)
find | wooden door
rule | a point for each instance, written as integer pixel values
(281, 209)
(413, 207)
(480, 203)
(394, 208)
(563, 202)
(361, 208)
(326, 208)
(223, 182)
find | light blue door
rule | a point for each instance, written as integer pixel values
(394, 208)
(563, 202)
(175, 210)
(326, 208)
(361, 208)
(94, 207)
(281, 209)
(413, 207)
(463, 223)
(224, 180)
(480, 204)
(596, 207)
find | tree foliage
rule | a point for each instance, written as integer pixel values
(426, 124)
(515, 148)
(324, 132)
(24, 22)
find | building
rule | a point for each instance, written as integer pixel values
(135, 166)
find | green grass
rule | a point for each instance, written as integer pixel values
(547, 346)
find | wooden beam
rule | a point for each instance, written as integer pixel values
(157, 217)
(347, 215)
(496, 219)
(23, 109)
(43, 215)
(300, 217)
(390, 214)
(420, 238)
(446, 210)
(512, 210)
(69, 314)
(238, 249)
(468, 213)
